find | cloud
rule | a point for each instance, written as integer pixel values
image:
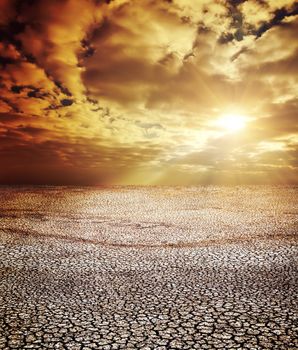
(127, 91)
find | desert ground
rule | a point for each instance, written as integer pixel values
(148, 268)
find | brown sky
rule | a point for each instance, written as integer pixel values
(139, 92)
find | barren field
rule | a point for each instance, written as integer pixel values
(148, 268)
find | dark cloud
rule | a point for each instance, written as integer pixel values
(66, 102)
(4, 61)
(279, 16)
(54, 161)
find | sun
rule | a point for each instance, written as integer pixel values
(232, 122)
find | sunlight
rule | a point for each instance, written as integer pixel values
(232, 122)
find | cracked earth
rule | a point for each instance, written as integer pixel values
(148, 268)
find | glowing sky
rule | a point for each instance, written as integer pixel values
(148, 91)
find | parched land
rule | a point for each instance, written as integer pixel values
(148, 268)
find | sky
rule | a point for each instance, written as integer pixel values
(148, 92)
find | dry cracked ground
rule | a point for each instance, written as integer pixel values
(148, 268)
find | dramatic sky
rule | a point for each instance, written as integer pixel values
(170, 92)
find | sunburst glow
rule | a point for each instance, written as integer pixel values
(232, 122)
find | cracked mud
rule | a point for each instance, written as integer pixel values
(148, 268)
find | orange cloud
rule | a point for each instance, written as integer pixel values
(126, 91)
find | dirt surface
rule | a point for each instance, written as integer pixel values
(148, 268)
